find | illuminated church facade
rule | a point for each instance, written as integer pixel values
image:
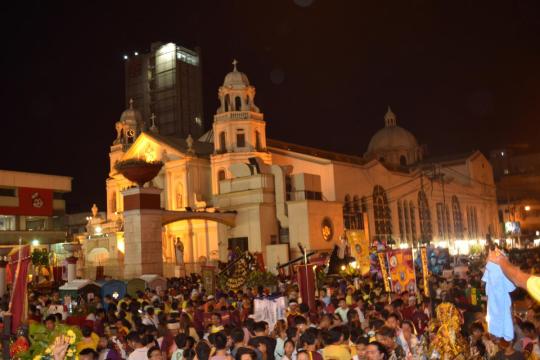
(235, 188)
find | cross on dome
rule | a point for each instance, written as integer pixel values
(131, 103)
(234, 65)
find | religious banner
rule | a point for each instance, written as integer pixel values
(237, 276)
(359, 244)
(269, 309)
(384, 272)
(208, 275)
(305, 275)
(19, 262)
(401, 270)
(425, 271)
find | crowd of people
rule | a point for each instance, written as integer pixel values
(351, 320)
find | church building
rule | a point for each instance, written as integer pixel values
(235, 188)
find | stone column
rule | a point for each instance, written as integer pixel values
(71, 268)
(142, 232)
(72, 248)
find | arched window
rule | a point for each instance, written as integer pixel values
(382, 214)
(402, 160)
(222, 145)
(401, 222)
(352, 213)
(258, 145)
(413, 223)
(240, 138)
(237, 103)
(347, 211)
(407, 221)
(221, 175)
(113, 202)
(458, 219)
(227, 102)
(472, 222)
(424, 214)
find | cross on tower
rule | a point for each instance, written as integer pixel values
(131, 103)
(234, 64)
(153, 128)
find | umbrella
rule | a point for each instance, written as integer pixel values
(98, 255)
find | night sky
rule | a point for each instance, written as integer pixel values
(460, 75)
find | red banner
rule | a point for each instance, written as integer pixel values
(19, 263)
(32, 202)
(401, 270)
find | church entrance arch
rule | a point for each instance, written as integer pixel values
(191, 238)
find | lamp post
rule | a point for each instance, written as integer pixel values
(72, 248)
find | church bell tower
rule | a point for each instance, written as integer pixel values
(239, 127)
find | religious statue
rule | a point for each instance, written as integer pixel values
(94, 211)
(179, 251)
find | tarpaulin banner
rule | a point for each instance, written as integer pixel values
(401, 270)
(359, 244)
(19, 262)
(384, 272)
(31, 202)
(425, 270)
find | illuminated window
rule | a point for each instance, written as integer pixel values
(407, 221)
(352, 213)
(424, 214)
(443, 221)
(401, 222)
(382, 214)
(472, 222)
(413, 223)
(458, 219)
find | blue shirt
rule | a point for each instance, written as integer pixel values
(499, 304)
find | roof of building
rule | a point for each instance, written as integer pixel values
(306, 150)
(447, 159)
(203, 149)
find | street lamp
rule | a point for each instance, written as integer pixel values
(527, 208)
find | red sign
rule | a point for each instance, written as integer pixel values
(32, 202)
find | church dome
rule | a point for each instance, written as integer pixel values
(236, 78)
(392, 137)
(393, 143)
(131, 115)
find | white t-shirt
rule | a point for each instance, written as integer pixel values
(139, 354)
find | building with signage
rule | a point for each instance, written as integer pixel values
(235, 188)
(517, 178)
(32, 207)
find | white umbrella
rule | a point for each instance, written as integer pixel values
(98, 255)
